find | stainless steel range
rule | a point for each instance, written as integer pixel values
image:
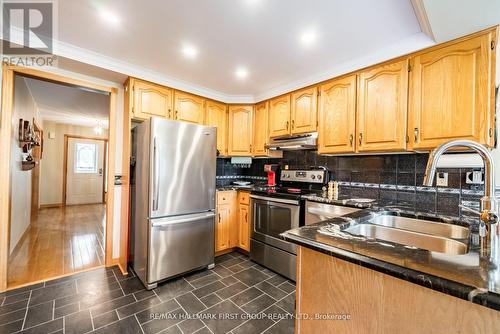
(279, 209)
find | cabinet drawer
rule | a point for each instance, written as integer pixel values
(225, 197)
(244, 197)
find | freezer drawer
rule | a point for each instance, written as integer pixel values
(180, 244)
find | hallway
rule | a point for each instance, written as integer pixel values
(60, 241)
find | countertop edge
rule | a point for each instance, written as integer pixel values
(469, 293)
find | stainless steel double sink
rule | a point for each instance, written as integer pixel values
(424, 234)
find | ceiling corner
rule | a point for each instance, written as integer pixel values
(423, 19)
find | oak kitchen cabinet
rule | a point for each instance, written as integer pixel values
(279, 116)
(240, 130)
(450, 95)
(216, 115)
(261, 129)
(232, 220)
(261, 132)
(382, 107)
(303, 116)
(150, 99)
(189, 108)
(225, 221)
(244, 220)
(337, 115)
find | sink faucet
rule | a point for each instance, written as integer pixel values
(489, 228)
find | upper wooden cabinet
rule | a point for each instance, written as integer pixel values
(382, 107)
(261, 127)
(451, 95)
(279, 116)
(189, 108)
(216, 115)
(150, 100)
(303, 112)
(240, 130)
(337, 114)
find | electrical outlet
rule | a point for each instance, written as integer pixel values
(442, 179)
(474, 177)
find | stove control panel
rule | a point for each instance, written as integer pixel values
(308, 176)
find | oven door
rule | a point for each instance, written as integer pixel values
(273, 216)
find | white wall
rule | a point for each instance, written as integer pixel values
(20, 206)
(52, 164)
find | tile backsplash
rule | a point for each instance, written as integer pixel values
(393, 179)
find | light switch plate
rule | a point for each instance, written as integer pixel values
(442, 179)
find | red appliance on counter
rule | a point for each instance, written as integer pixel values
(271, 170)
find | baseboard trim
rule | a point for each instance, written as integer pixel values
(49, 206)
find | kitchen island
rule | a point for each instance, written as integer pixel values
(348, 284)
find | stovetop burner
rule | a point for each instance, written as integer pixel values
(284, 192)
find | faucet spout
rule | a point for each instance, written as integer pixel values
(489, 230)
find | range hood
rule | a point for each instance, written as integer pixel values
(306, 141)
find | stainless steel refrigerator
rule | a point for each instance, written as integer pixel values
(173, 199)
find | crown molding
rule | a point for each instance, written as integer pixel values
(410, 44)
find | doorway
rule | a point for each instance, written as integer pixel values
(84, 172)
(62, 239)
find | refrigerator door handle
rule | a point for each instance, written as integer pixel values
(181, 220)
(156, 177)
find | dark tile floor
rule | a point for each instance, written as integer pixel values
(237, 296)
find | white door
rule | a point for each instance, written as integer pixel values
(85, 174)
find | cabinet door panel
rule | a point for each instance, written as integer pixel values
(260, 135)
(337, 108)
(222, 227)
(189, 108)
(151, 100)
(240, 130)
(303, 113)
(216, 115)
(279, 116)
(382, 108)
(244, 232)
(450, 96)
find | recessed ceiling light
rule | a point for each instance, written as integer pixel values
(109, 16)
(308, 37)
(253, 3)
(189, 51)
(241, 73)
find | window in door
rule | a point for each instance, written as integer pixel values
(85, 158)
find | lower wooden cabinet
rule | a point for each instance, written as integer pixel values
(222, 227)
(232, 225)
(243, 221)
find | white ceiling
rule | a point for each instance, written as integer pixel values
(69, 105)
(262, 35)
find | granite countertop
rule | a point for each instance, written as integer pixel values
(470, 276)
(234, 187)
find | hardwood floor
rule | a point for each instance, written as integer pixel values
(60, 241)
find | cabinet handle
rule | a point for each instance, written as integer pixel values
(287, 125)
(246, 217)
(293, 124)
(169, 113)
(351, 139)
(176, 114)
(360, 138)
(415, 134)
(219, 218)
(250, 147)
